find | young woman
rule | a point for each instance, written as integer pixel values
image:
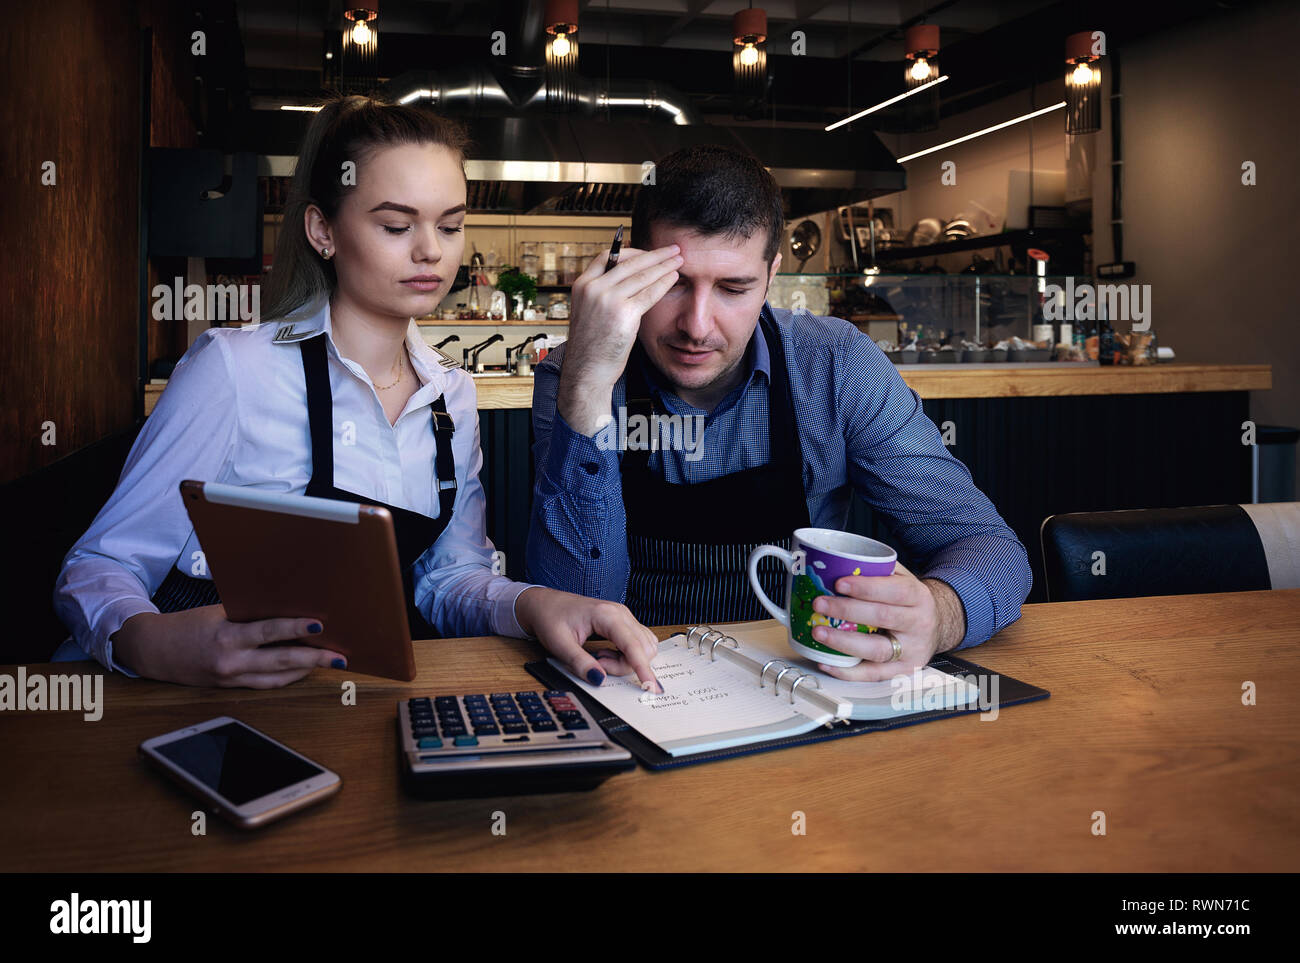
(338, 397)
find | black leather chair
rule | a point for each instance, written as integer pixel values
(1171, 551)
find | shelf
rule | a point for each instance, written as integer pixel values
(1027, 237)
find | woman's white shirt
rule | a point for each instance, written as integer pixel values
(235, 411)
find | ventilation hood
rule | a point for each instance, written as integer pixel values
(529, 158)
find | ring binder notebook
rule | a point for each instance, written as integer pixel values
(741, 691)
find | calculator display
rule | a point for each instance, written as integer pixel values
(237, 763)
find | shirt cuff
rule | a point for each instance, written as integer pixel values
(579, 466)
(113, 620)
(506, 621)
(975, 600)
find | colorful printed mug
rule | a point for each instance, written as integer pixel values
(820, 558)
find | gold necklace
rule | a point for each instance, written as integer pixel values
(401, 370)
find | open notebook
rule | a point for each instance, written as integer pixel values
(745, 685)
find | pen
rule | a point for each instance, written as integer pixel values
(614, 249)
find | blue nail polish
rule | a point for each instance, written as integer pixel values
(315, 628)
(339, 664)
(595, 676)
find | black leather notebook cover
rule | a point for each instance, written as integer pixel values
(1010, 692)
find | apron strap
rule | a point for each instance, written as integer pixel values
(320, 412)
(445, 460)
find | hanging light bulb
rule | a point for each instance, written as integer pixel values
(921, 44)
(749, 62)
(360, 46)
(561, 22)
(1082, 83)
(561, 67)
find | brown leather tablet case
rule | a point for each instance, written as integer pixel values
(280, 556)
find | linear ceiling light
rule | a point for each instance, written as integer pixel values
(886, 103)
(981, 133)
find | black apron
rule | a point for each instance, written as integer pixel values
(414, 532)
(689, 545)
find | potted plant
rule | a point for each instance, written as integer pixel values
(512, 282)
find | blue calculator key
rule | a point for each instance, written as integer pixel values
(421, 703)
(554, 693)
(501, 695)
(486, 731)
(444, 700)
(467, 740)
(513, 727)
(450, 731)
(576, 724)
(430, 743)
(547, 726)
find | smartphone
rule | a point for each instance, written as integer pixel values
(240, 773)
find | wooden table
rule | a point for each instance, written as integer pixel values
(1145, 723)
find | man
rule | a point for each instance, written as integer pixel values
(798, 412)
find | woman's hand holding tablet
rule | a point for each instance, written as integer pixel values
(202, 647)
(562, 621)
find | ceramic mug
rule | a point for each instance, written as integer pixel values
(820, 558)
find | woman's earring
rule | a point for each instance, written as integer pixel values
(325, 254)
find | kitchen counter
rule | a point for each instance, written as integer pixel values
(1007, 380)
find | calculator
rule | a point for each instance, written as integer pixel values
(503, 744)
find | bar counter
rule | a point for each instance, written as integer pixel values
(946, 381)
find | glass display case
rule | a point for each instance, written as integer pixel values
(954, 318)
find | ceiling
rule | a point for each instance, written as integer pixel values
(275, 49)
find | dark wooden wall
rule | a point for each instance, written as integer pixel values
(71, 340)
(68, 278)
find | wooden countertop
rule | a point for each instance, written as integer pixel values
(1145, 723)
(982, 381)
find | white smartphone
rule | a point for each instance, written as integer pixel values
(242, 774)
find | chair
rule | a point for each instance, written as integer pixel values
(1171, 551)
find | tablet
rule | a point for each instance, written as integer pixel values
(274, 555)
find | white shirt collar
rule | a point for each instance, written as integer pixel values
(431, 373)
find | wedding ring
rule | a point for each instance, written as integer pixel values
(898, 649)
